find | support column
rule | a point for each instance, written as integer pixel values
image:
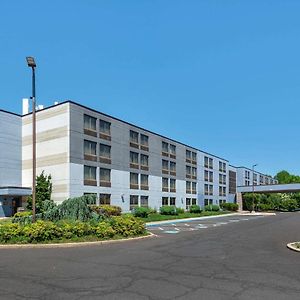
(239, 201)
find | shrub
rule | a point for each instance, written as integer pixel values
(9, 231)
(104, 230)
(229, 206)
(289, 205)
(212, 207)
(127, 225)
(195, 209)
(141, 212)
(106, 210)
(179, 210)
(168, 210)
(42, 231)
(22, 214)
(264, 207)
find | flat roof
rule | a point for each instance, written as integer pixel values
(9, 112)
(117, 119)
(14, 191)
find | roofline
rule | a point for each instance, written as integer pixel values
(9, 112)
(254, 171)
(117, 119)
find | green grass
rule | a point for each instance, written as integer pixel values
(158, 217)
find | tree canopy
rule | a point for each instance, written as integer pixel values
(285, 177)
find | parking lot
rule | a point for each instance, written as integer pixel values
(184, 226)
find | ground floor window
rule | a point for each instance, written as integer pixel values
(144, 201)
(104, 199)
(222, 201)
(164, 201)
(134, 201)
(172, 201)
(208, 201)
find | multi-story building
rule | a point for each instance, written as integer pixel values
(86, 151)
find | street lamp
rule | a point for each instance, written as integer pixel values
(31, 63)
(253, 186)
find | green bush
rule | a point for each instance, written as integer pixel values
(104, 230)
(195, 209)
(106, 210)
(289, 205)
(229, 206)
(127, 225)
(22, 214)
(141, 212)
(179, 210)
(9, 231)
(264, 207)
(212, 207)
(168, 210)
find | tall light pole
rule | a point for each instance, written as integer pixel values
(253, 186)
(31, 63)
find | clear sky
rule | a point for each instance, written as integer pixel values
(223, 76)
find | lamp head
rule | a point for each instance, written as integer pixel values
(30, 61)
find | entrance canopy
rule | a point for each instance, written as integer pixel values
(14, 191)
(273, 188)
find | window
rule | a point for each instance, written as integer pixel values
(247, 182)
(222, 179)
(222, 191)
(194, 157)
(188, 171)
(194, 173)
(105, 152)
(134, 160)
(144, 201)
(232, 182)
(164, 201)
(172, 151)
(247, 174)
(165, 166)
(90, 175)
(165, 148)
(194, 188)
(144, 162)
(144, 182)
(134, 180)
(208, 189)
(172, 201)
(105, 127)
(165, 184)
(134, 201)
(90, 150)
(208, 162)
(222, 201)
(172, 185)
(187, 203)
(208, 201)
(104, 199)
(222, 167)
(188, 155)
(254, 177)
(134, 138)
(105, 177)
(89, 124)
(144, 142)
(188, 187)
(208, 176)
(173, 168)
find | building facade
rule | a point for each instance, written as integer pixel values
(88, 152)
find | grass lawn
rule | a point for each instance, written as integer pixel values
(158, 217)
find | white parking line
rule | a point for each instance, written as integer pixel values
(234, 220)
(160, 228)
(177, 229)
(187, 225)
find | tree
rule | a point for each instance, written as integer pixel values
(286, 177)
(43, 192)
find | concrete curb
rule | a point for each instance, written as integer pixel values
(74, 244)
(149, 224)
(257, 214)
(292, 247)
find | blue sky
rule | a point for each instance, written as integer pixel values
(223, 76)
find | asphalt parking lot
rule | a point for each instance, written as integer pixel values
(242, 259)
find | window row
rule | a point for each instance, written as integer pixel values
(222, 167)
(210, 201)
(168, 185)
(208, 176)
(168, 150)
(90, 176)
(90, 127)
(222, 191)
(138, 140)
(138, 201)
(222, 179)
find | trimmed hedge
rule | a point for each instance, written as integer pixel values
(229, 206)
(168, 210)
(211, 207)
(106, 210)
(47, 231)
(142, 212)
(195, 209)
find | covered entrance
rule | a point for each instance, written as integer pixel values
(11, 199)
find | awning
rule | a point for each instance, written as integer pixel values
(14, 191)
